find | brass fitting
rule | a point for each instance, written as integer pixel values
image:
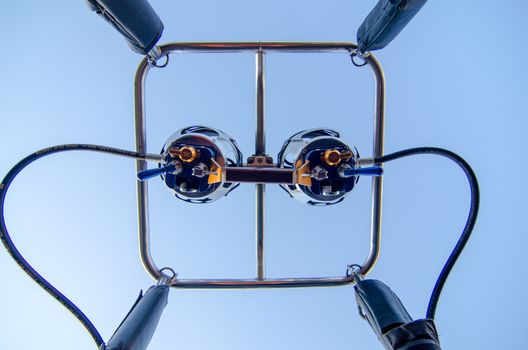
(303, 174)
(187, 154)
(333, 157)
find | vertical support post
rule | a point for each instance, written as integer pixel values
(142, 186)
(260, 192)
(377, 182)
(260, 150)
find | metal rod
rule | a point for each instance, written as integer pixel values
(377, 181)
(142, 186)
(260, 150)
(142, 189)
(259, 218)
(260, 175)
(267, 283)
(260, 136)
(255, 46)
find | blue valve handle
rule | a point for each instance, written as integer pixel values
(370, 171)
(150, 173)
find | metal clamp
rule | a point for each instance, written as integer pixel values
(354, 54)
(353, 271)
(167, 280)
(154, 55)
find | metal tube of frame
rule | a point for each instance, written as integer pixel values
(260, 150)
(296, 47)
(142, 186)
(377, 181)
(266, 283)
(260, 136)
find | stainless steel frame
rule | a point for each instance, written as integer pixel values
(260, 48)
(260, 150)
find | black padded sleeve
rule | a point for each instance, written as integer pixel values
(385, 22)
(136, 20)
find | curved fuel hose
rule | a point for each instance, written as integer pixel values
(17, 256)
(470, 223)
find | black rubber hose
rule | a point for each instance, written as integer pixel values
(13, 251)
(470, 223)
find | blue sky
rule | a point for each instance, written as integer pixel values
(455, 79)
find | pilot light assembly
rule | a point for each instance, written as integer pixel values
(201, 164)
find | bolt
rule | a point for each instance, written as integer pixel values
(200, 170)
(319, 173)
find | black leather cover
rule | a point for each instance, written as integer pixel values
(136, 20)
(380, 306)
(416, 335)
(391, 322)
(138, 327)
(385, 22)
